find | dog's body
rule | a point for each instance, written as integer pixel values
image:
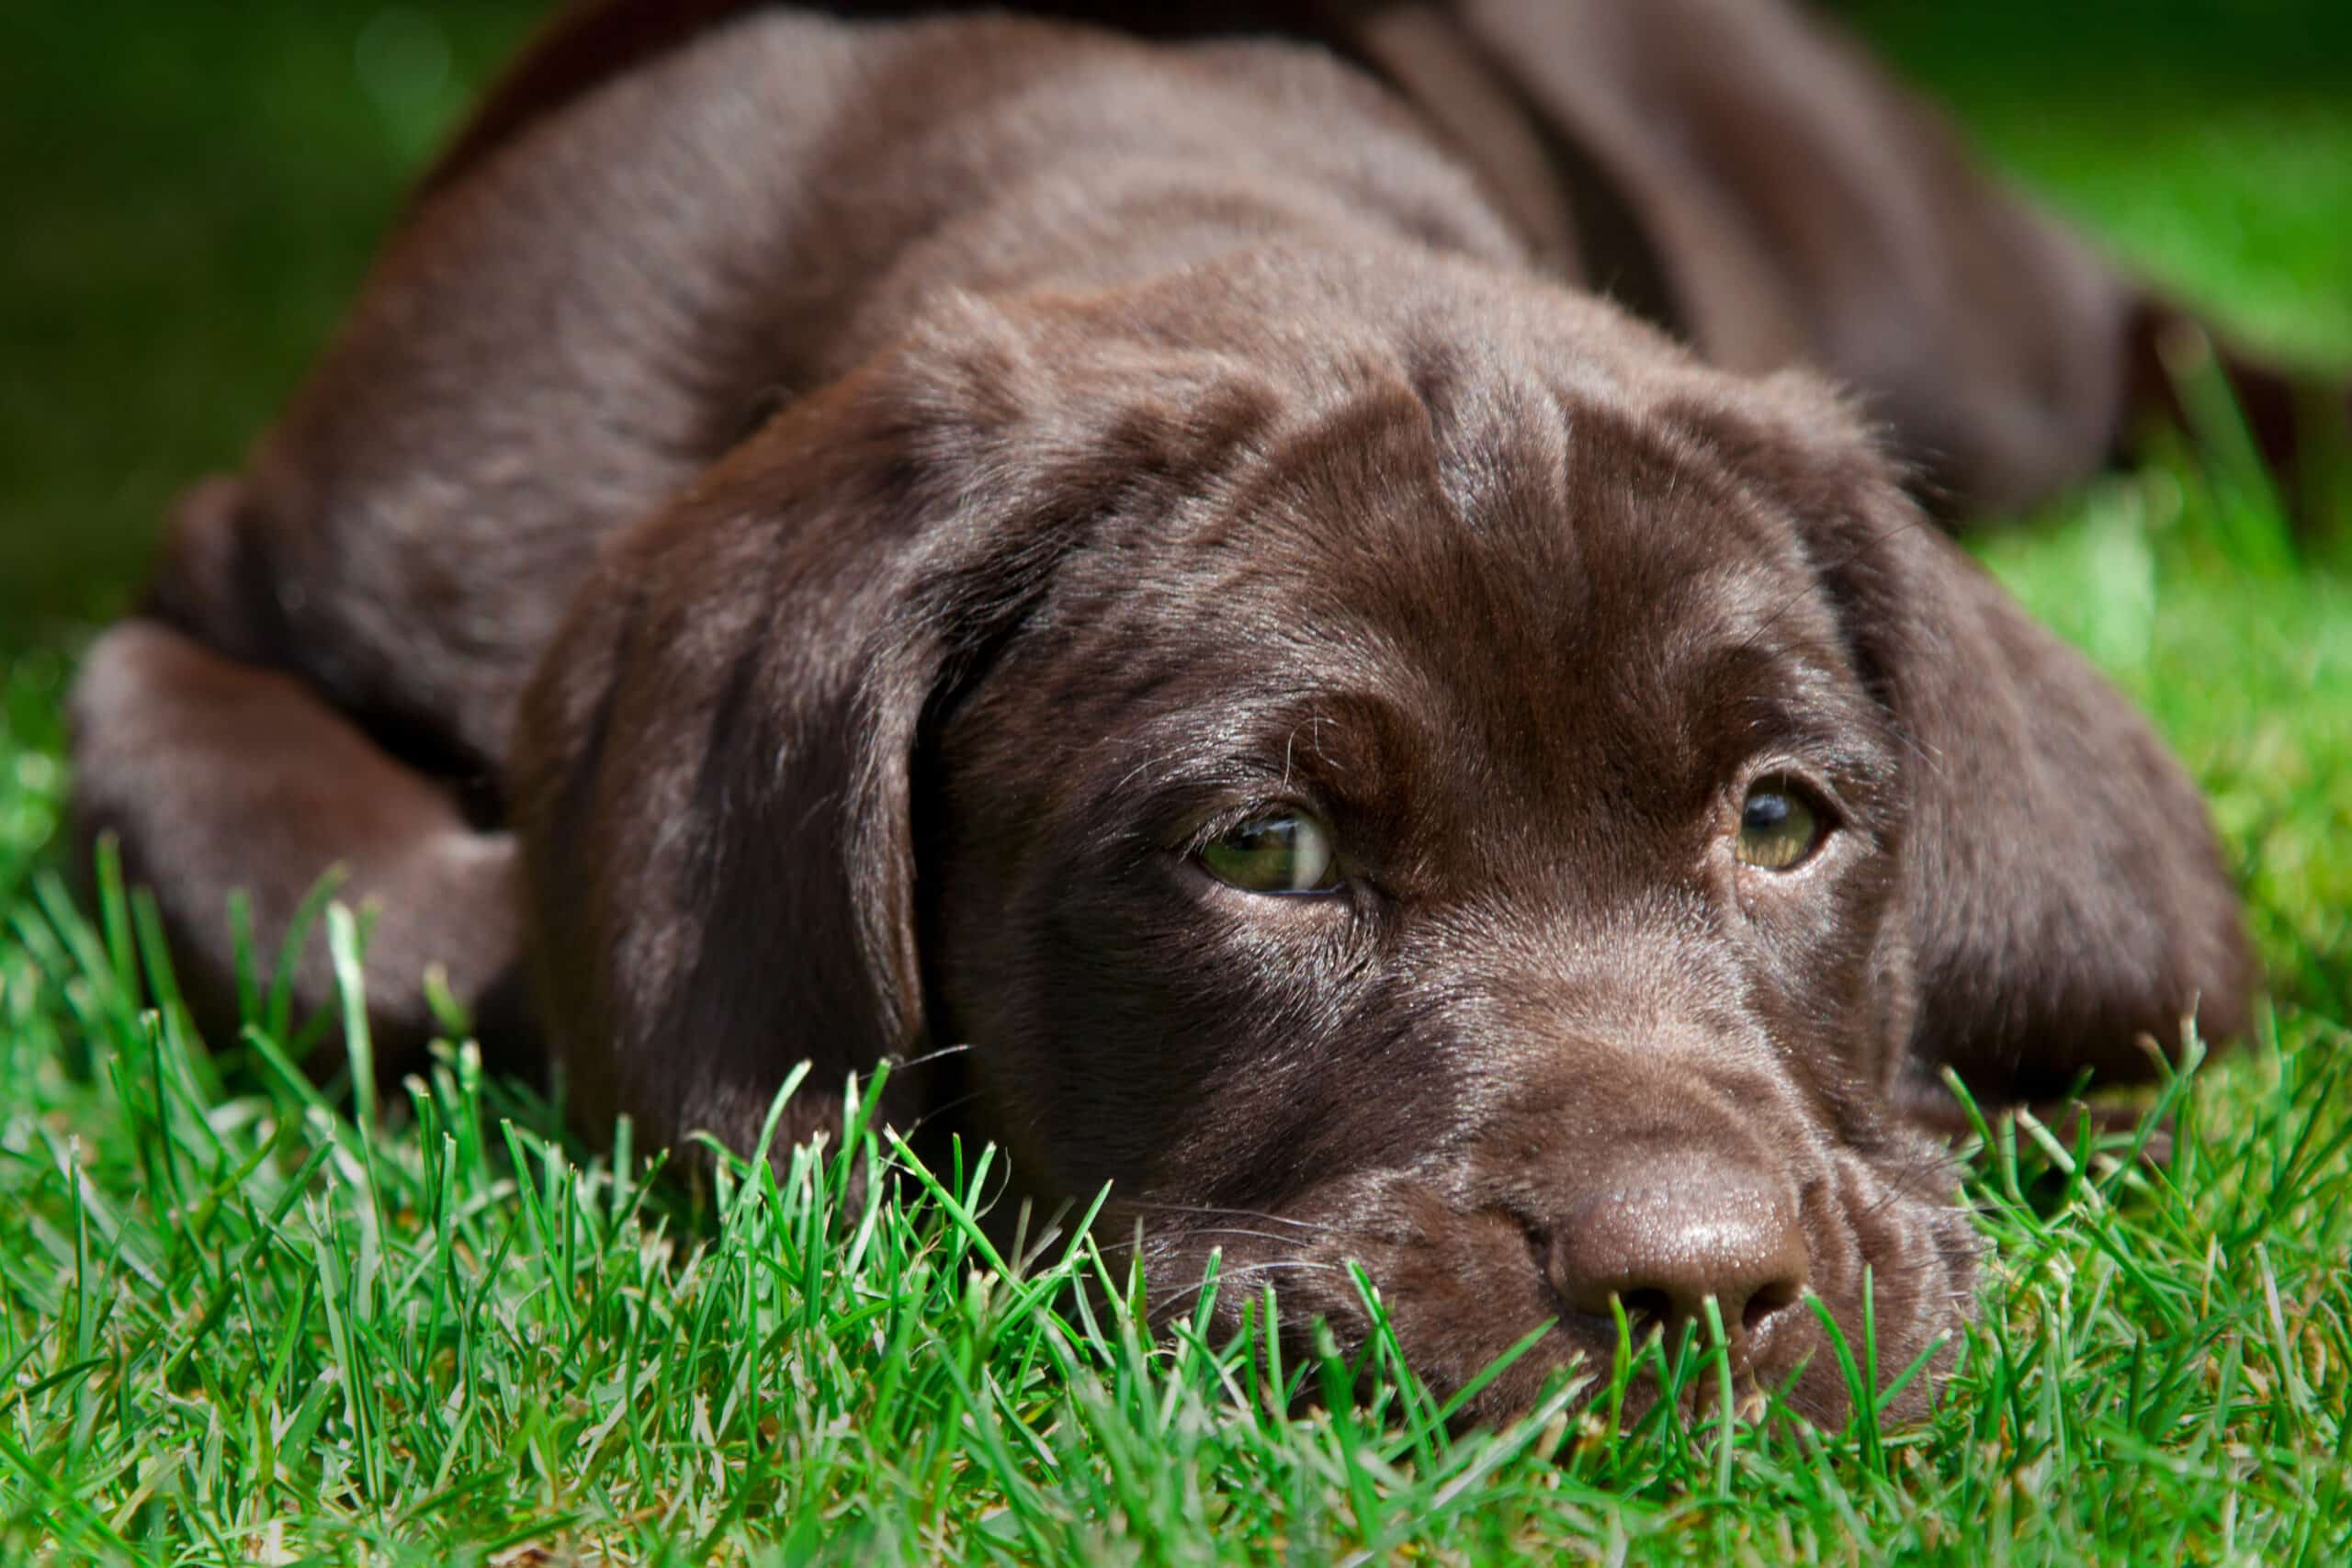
(815, 542)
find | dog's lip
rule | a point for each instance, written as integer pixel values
(1782, 1358)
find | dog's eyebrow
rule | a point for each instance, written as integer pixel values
(1316, 754)
(1795, 713)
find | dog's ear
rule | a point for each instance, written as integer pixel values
(713, 773)
(2065, 894)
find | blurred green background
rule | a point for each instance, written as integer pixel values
(193, 188)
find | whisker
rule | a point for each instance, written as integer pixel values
(1244, 1274)
(1230, 1230)
(900, 1063)
(1312, 1227)
(943, 1109)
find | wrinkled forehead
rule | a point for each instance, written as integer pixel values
(1548, 585)
(1512, 542)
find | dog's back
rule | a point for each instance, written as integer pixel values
(564, 337)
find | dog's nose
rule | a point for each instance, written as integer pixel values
(1663, 1236)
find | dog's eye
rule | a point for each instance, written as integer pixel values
(1283, 852)
(1779, 828)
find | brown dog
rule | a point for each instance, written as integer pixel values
(826, 538)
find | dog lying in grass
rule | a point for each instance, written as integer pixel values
(1153, 559)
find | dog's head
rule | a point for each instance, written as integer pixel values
(1475, 793)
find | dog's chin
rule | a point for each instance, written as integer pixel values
(1461, 1285)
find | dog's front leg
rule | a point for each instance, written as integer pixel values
(217, 777)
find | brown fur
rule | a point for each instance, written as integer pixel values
(810, 526)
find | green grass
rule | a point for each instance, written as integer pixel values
(2203, 142)
(243, 1315)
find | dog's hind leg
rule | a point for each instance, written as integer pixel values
(216, 775)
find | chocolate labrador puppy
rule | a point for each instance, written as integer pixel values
(830, 537)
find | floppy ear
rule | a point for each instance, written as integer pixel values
(2064, 893)
(713, 774)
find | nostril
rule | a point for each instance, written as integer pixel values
(1769, 1301)
(1648, 1309)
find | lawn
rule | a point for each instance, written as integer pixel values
(242, 1316)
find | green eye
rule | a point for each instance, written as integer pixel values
(1778, 828)
(1279, 852)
